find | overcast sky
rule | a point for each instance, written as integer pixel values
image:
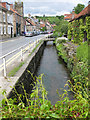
(49, 7)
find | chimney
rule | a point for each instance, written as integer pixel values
(89, 3)
(73, 14)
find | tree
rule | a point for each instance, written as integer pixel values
(79, 8)
(62, 27)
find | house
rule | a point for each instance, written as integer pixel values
(69, 17)
(18, 19)
(48, 26)
(29, 26)
(6, 20)
(42, 24)
(12, 23)
(79, 25)
(30, 23)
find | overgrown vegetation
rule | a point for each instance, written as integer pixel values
(77, 29)
(51, 19)
(78, 65)
(61, 27)
(38, 106)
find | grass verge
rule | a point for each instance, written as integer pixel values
(35, 48)
(13, 72)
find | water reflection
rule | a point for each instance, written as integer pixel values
(56, 73)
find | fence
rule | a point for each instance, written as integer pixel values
(22, 49)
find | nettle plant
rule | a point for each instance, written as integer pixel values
(38, 106)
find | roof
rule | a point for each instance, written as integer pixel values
(42, 25)
(32, 23)
(16, 12)
(3, 5)
(69, 16)
(53, 25)
(85, 11)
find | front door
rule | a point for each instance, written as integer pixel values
(11, 32)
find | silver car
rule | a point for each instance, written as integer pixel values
(29, 34)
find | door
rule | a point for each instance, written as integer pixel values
(11, 32)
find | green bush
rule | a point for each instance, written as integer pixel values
(55, 34)
(78, 65)
(38, 106)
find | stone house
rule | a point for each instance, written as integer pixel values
(6, 20)
(42, 24)
(31, 23)
(12, 23)
(18, 23)
(18, 19)
(28, 26)
(48, 26)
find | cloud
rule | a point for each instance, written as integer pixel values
(49, 7)
(56, 8)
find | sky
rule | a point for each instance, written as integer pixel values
(49, 7)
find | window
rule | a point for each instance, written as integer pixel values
(0, 16)
(4, 29)
(11, 18)
(4, 18)
(8, 18)
(8, 6)
(9, 30)
(1, 30)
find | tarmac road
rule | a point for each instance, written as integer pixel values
(9, 45)
(14, 43)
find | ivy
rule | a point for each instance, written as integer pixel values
(77, 28)
(88, 27)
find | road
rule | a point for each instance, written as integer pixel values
(10, 45)
(14, 43)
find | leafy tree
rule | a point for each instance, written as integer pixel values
(62, 27)
(60, 17)
(79, 8)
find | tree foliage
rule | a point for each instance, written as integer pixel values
(62, 27)
(79, 8)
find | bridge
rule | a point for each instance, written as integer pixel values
(49, 39)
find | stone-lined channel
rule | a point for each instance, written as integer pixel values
(55, 71)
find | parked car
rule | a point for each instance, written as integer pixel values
(35, 32)
(29, 34)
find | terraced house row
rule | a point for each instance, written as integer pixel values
(12, 22)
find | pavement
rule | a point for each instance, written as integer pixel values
(7, 46)
(6, 84)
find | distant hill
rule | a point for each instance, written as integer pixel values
(51, 19)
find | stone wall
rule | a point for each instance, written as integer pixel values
(26, 77)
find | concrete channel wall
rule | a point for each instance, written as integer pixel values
(25, 77)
